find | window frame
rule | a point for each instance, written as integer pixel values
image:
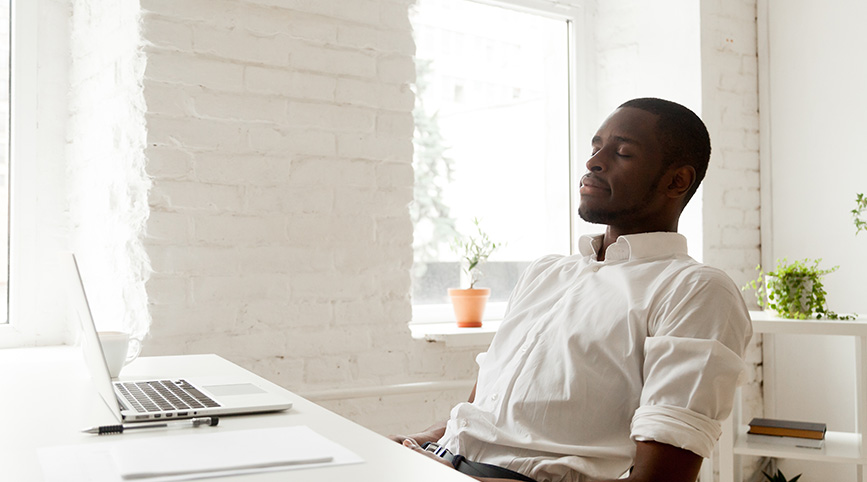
(36, 293)
(581, 87)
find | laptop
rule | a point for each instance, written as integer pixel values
(147, 400)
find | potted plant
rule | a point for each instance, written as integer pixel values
(779, 477)
(794, 290)
(469, 303)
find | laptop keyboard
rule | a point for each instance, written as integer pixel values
(163, 395)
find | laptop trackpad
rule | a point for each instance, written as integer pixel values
(233, 389)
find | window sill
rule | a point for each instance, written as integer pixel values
(452, 336)
(436, 323)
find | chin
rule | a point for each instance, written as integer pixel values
(594, 216)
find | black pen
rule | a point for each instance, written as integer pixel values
(193, 422)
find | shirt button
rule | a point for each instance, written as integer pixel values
(464, 423)
(495, 396)
(595, 269)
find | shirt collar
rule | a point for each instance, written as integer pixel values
(635, 246)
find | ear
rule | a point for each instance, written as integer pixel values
(682, 179)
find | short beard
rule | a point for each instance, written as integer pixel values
(601, 216)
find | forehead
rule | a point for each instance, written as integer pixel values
(629, 123)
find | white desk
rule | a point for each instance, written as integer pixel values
(48, 418)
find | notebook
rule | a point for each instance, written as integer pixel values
(183, 397)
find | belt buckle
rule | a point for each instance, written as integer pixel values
(435, 448)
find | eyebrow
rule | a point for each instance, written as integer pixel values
(625, 140)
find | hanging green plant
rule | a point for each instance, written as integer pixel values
(794, 290)
(859, 212)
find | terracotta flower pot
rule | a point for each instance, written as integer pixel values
(469, 305)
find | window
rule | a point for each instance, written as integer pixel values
(5, 45)
(36, 173)
(493, 120)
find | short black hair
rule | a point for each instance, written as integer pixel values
(683, 135)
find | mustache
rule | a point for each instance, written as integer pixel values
(593, 180)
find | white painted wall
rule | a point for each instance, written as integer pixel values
(818, 113)
(650, 49)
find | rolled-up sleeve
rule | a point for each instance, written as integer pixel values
(693, 364)
(687, 393)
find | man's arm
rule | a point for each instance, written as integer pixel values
(659, 462)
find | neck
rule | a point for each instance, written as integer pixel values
(613, 232)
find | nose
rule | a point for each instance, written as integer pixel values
(596, 162)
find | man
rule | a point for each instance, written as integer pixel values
(624, 356)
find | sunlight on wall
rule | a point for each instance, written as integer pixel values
(108, 184)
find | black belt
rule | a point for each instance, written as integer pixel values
(475, 469)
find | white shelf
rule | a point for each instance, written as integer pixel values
(765, 322)
(840, 447)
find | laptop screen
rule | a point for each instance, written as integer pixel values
(90, 346)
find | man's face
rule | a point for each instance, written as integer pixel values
(621, 187)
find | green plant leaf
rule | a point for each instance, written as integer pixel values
(858, 212)
(474, 251)
(779, 477)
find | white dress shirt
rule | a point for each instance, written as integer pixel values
(592, 356)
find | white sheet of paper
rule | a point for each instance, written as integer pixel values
(197, 455)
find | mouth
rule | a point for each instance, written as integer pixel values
(592, 185)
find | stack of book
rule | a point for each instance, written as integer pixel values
(787, 432)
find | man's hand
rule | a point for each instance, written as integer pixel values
(412, 444)
(431, 434)
(419, 438)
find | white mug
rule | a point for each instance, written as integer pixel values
(119, 348)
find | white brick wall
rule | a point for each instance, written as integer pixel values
(731, 201)
(279, 141)
(731, 195)
(106, 179)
